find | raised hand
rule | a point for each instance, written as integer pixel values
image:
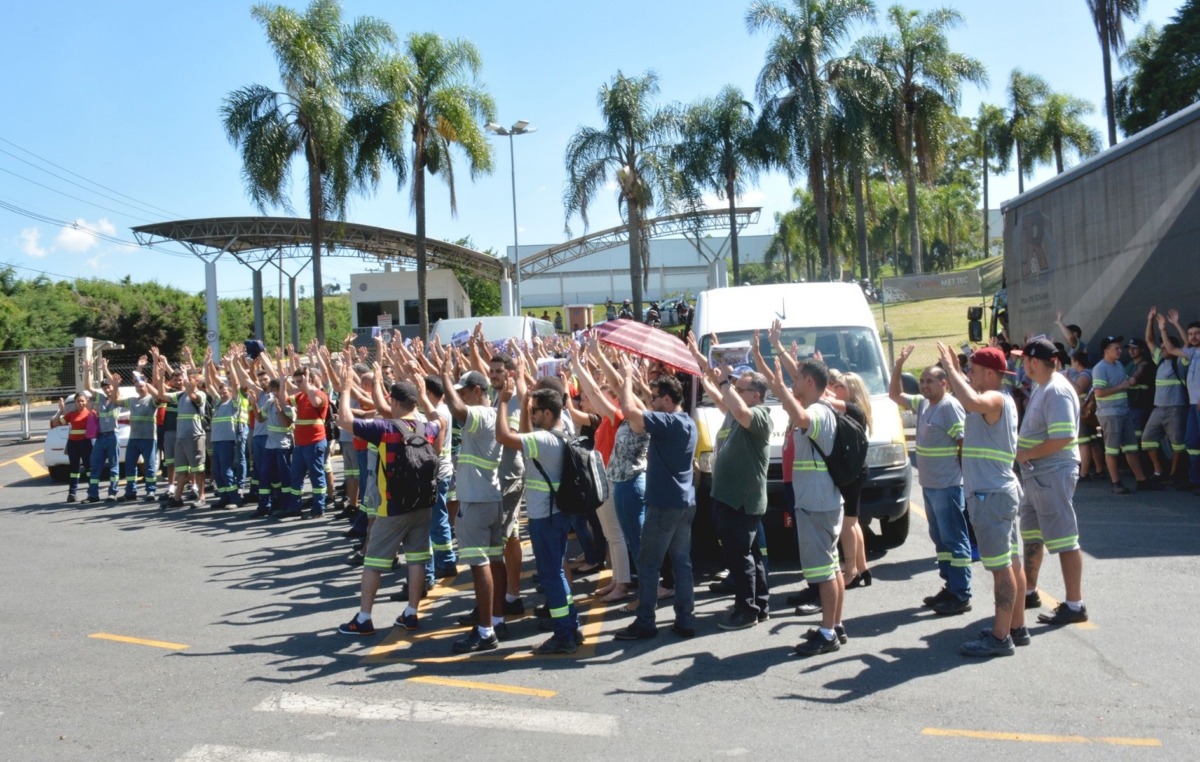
(1162, 322)
(1173, 316)
(905, 354)
(948, 358)
(506, 391)
(1153, 314)
(775, 334)
(141, 363)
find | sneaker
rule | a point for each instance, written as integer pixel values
(150, 498)
(1150, 485)
(815, 643)
(1118, 489)
(808, 608)
(739, 619)
(952, 605)
(763, 615)
(635, 632)
(807, 595)
(173, 503)
(356, 560)
(408, 621)
(542, 612)
(556, 646)
(1033, 600)
(355, 627)
(91, 499)
(683, 632)
(930, 600)
(516, 608)
(723, 586)
(126, 498)
(471, 619)
(1064, 614)
(839, 632)
(1020, 636)
(475, 642)
(501, 631)
(987, 645)
(70, 498)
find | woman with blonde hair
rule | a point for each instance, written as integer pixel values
(848, 393)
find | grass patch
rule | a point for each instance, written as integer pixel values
(924, 323)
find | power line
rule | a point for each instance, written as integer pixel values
(77, 198)
(72, 182)
(89, 231)
(93, 182)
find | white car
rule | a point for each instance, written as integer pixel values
(54, 452)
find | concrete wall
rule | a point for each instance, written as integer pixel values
(400, 286)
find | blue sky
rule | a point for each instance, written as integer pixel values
(126, 94)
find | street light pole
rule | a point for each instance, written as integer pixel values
(520, 128)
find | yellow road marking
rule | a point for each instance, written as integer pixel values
(14, 460)
(139, 641)
(483, 686)
(398, 638)
(1038, 738)
(916, 509)
(1054, 603)
(32, 467)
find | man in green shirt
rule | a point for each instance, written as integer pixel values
(739, 489)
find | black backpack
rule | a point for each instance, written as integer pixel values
(848, 457)
(583, 487)
(412, 474)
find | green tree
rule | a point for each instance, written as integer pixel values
(635, 148)
(927, 78)
(1136, 55)
(1061, 129)
(720, 150)
(995, 146)
(1026, 93)
(1169, 79)
(1108, 17)
(793, 86)
(321, 63)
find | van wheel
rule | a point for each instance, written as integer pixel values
(60, 473)
(894, 531)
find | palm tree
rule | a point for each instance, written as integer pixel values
(1061, 128)
(1026, 93)
(634, 147)
(995, 144)
(1108, 17)
(321, 65)
(787, 243)
(927, 78)
(719, 149)
(955, 206)
(1136, 54)
(793, 86)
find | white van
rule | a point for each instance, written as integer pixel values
(835, 319)
(500, 327)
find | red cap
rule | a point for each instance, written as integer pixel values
(991, 357)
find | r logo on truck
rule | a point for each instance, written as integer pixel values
(1035, 242)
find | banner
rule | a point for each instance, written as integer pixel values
(911, 288)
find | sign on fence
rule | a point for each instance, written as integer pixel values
(911, 288)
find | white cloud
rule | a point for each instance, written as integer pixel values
(752, 197)
(95, 262)
(76, 238)
(30, 242)
(520, 229)
(541, 188)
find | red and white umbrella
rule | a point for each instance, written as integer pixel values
(647, 341)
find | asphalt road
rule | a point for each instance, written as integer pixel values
(236, 656)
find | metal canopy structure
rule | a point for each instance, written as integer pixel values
(260, 241)
(687, 224)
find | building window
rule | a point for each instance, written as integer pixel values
(438, 310)
(369, 312)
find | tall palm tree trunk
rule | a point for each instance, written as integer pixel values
(1058, 155)
(987, 238)
(816, 181)
(316, 213)
(860, 216)
(635, 255)
(787, 264)
(1020, 171)
(910, 182)
(733, 234)
(1110, 106)
(808, 263)
(419, 203)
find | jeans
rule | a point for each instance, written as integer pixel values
(79, 456)
(147, 449)
(593, 553)
(239, 457)
(629, 498)
(742, 556)
(222, 471)
(104, 454)
(439, 534)
(947, 515)
(667, 531)
(549, 538)
(1191, 438)
(308, 459)
(257, 481)
(277, 464)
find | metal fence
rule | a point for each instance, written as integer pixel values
(31, 382)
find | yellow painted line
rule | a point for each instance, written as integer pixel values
(139, 641)
(398, 638)
(428, 680)
(1038, 738)
(1050, 599)
(916, 509)
(32, 467)
(14, 460)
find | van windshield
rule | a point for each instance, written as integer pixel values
(846, 349)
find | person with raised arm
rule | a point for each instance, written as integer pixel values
(104, 451)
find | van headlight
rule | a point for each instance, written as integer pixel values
(704, 462)
(886, 455)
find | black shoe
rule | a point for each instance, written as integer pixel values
(555, 645)
(89, 500)
(447, 572)
(150, 498)
(635, 632)
(815, 643)
(807, 595)
(70, 498)
(402, 594)
(808, 609)
(501, 631)
(174, 503)
(356, 560)
(740, 619)
(683, 632)
(863, 579)
(126, 498)
(723, 586)
(1064, 614)
(1033, 600)
(542, 612)
(763, 615)
(475, 642)
(988, 646)
(1117, 489)
(409, 622)
(471, 619)
(1150, 485)
(930, 600)
(1020, 635)
(516, 608)
(355, 627)
(952, 605)
(839, 632)
(110, 499)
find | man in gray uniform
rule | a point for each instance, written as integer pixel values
(143, 441)
(1168, 420)
(993, 493)
(1111, 385)
(1050, 468)
(189, 438)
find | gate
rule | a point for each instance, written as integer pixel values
(31, 383)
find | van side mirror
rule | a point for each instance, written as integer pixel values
(909, 383)
(975, 313)
(975, 331)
